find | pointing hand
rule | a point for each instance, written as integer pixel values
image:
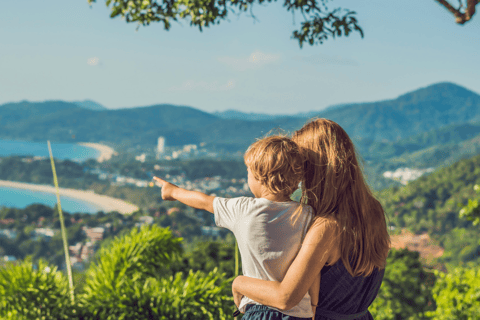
(167, 188)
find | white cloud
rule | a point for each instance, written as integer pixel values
(255, 60)
(326, 59)
(191, 85)
(94, 61)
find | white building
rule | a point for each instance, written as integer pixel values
(160, 146)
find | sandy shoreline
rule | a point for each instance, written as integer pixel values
(105, 203)
(106, 152)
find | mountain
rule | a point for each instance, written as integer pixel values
(368, 124)
(89, 104)
(444, 138)
(251, 116)
(419, 111)
(67, 122)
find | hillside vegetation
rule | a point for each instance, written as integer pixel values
(431, 204)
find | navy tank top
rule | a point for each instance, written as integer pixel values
(343, 297)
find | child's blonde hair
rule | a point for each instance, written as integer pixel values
(277, 163)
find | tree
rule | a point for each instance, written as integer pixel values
(472, 210)
(320, 22)
(406, 288)
(465, 11)
(457, 294)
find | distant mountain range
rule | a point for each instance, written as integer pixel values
(371, 125)
(89, 104)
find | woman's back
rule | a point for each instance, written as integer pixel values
(342, 294)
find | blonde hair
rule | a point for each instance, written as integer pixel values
(277, 163)
(335, 187)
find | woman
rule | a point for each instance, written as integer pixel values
(347, 245)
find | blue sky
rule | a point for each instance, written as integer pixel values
(65, 50)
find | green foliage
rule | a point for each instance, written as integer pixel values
(320, 22)
(208, 255)
(472, 210)
(138, 255)
(462, 247)
(430, 202)
(70, 174)
(198, 296)
(406, 288)
(128, 282)
(34, 291)
(457, 295)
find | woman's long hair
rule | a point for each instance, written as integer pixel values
(336, 189)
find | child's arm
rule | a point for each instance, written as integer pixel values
(195, 199)
(314, 292)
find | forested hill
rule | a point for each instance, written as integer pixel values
(416, 112)
(430, 204)
(419, 111)
(435, 148)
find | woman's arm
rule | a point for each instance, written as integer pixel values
(320, 242)
(314, 293)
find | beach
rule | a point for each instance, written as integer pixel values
(105, 151)
(104, 203)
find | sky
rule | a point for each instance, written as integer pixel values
(67, 50)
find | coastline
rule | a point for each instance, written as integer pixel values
(106, 152)
(104, 203)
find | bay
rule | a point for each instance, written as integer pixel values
(21, 198)
(62, 151)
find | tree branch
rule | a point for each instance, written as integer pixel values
(460, 17)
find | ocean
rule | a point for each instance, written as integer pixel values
(62, 151)
(20, 198)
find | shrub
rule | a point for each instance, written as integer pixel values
(29, 291)
(457, 295)
(128, 283)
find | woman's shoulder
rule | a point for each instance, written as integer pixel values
(322, 226)
(323, 234)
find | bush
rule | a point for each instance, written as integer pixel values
(128, 283)
(457, 295)
(31, 291)
(406, 288)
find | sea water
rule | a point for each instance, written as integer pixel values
(21, 198)
(62, 151)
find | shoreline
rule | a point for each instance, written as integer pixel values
(106, 152)
(104, 203)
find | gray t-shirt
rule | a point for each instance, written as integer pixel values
(269, 237)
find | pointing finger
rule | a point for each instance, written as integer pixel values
(159, 181)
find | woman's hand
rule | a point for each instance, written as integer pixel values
(319, 244)
(237, 296)
(167, 189)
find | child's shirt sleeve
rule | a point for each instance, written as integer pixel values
(227, 211)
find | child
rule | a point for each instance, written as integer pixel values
(270, 227)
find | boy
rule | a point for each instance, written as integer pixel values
(270, 227)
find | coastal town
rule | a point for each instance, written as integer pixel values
(82, 252)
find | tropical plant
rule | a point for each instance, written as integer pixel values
(34, 291)
(128, 282)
